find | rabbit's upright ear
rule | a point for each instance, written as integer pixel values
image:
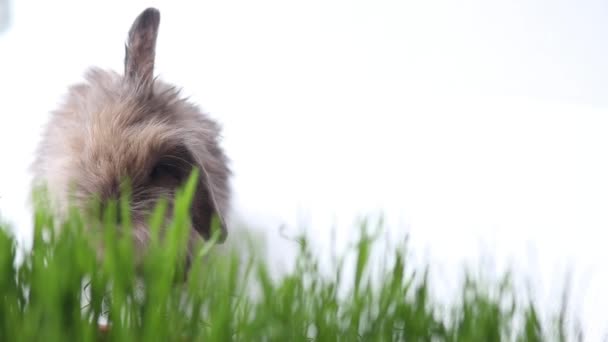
(140, 49)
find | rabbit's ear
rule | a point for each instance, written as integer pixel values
(211, 198)
(208, 202)
(140, 49)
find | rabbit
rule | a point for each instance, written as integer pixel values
(134, 126)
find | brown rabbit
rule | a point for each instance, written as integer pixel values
(133, 126)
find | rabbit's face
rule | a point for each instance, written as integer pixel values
(132, 127)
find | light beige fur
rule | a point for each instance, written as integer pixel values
(133, 126)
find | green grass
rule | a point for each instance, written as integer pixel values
(62, 289)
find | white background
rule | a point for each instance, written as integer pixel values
(475, 126)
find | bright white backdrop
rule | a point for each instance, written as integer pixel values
(475, 126)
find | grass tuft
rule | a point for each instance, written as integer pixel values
(65, 290)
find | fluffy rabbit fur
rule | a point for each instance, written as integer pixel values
(133, 126)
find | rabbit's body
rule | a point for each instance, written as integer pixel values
(115, 127)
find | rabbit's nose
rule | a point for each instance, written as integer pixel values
(111, 191)
(111, 211)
